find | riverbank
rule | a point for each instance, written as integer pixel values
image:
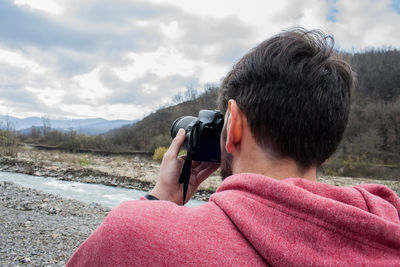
(39, 229)
(133, 172)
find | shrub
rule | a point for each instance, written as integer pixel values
(159, 153)
(182, 152)
(84, 162)
(8, 143)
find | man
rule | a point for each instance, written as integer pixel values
(286, 106)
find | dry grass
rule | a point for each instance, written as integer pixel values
(147, 170)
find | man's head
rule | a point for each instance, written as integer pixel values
(294, 91)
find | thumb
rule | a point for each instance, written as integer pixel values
(177, 143)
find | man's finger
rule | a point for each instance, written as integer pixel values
(207, 171)
(176, 144)
(195, 164)
(202, 172)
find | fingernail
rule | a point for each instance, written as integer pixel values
(181, 131)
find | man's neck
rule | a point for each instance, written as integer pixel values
(255, 160)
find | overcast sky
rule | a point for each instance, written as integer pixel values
(122, 59)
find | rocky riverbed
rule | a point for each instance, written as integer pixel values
(38, 229)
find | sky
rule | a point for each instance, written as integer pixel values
(123, 59)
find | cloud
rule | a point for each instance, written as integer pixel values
(216, 40)
(118, 12)
(79, 31)
(73, 40)
(362, 24)
(333, 11)
(12, 86)
(48, 6)
(20, 26)
(395, 5)
(18, 97)
(148, 89)
(121, 59)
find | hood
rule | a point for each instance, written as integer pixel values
(300, 222)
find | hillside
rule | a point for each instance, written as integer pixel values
(154, 130)
(378, 73)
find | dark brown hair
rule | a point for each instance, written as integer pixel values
(295, 93)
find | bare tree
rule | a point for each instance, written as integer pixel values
(190, 93)
(46, 125)
(10, 125)
(9, 139)
(177, 99)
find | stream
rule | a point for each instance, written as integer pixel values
(106, 196)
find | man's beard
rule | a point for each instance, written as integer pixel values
(226, 158)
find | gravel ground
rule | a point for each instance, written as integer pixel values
(39, 229)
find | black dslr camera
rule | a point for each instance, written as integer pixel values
(202, 140)
(202, 135)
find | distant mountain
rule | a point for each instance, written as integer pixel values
(84, 126)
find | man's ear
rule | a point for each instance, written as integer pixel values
(234, 127)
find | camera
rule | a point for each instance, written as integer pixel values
(202, 135)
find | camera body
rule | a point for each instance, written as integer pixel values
(202, 135)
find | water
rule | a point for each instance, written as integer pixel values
(107, 196)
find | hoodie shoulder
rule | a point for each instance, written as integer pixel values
(381, 201)
(161, 233)
(335, 226)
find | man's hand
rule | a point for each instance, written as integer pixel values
(168, 187)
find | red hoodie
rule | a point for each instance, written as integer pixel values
(253, 220)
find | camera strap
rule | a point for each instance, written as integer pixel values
(187, 166)
(185, 176)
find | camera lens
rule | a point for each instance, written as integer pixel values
(182, 122)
